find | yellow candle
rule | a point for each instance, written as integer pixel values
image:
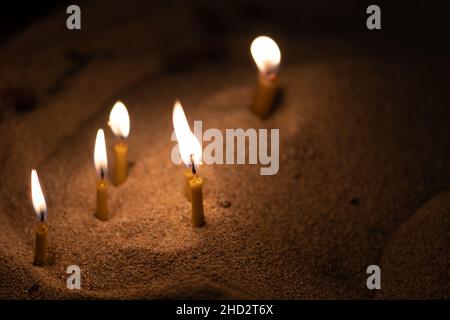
(40, 208)
(191, 154)
(119, 121)
(101, 166)
(265, 95)
(196, 186)
(188, 175)
(120, 162)
(40, 251)
(102, 200)
(267, 57)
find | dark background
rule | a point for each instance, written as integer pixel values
(420, 24)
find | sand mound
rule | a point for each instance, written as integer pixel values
(415, 254)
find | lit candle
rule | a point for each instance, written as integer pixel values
(267, 57)
(101, 167)
(40, 251)
(188, 175)
(191, 155)
(119, 121)
(181, 128)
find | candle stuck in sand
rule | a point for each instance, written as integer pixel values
(267, 57)
(191, 155)
(119, 121)
(101, 167)
(40, 207)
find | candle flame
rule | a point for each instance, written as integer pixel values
(119, 120)
(37, 196)
(266, 54)
(189, 146)
(100, 157)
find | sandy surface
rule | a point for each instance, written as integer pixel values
(364, 176)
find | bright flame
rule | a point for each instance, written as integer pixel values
(190, 148)
(100, 157)
(37, 196)
(119, 120)
(266, 54)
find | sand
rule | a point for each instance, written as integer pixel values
(364, 164)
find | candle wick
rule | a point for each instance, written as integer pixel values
(271, 74)
(194, 171)
(102, 173)
(42, 216)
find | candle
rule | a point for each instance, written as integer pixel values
(196, 186)
(191, 155)
(101, 167)
(40, 207)
(267, 57)
(119, 121)
(188, 175)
